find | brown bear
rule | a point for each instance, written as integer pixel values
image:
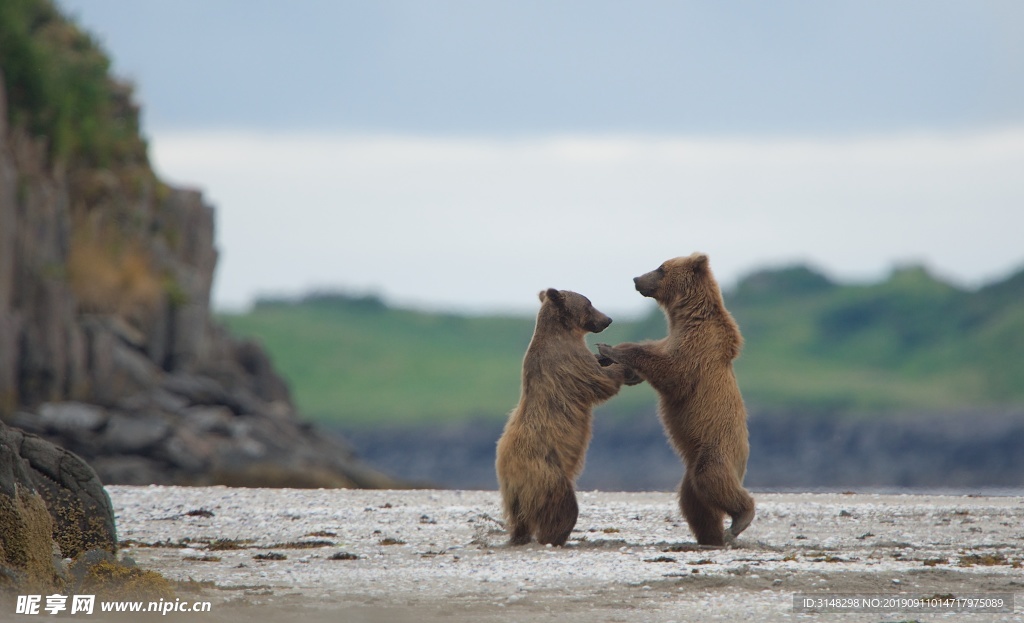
(699, 401)
(542, 449)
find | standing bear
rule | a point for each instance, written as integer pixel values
(542, 449)
(699, 401)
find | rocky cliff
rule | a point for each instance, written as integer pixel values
(107, 345)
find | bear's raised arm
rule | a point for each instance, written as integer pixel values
(595, 383)
(644, 360)
(612, 369)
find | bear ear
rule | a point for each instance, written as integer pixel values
(552, 295)
(699, 261)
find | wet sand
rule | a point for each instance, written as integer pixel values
(424, 555)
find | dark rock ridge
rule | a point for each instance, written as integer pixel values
(107, 345)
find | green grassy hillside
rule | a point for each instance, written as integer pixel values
(354, 360)
(908, 342)
(911, 341)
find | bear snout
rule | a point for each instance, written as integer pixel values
(646, 285)
(599, 323)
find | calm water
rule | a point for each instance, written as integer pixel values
(622, 458)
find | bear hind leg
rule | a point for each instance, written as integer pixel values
(558, 516)
(718, 488)
(519, 534)
(705, 521)
(743, 515)
(518, 527)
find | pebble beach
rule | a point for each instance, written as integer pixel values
(425, 555)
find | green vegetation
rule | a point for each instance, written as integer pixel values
(909, 342)
(353, 359)
(58, 86)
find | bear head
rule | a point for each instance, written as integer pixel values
(679, 280)
(572, 310)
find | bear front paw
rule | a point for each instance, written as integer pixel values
(632, 378)
(607, 352)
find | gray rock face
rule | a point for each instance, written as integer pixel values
(126, 434)
(108, 347)
(71, 417)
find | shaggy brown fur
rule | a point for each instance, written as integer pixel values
(700, 403)
(542, 450)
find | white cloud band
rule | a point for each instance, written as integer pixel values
(484, 223)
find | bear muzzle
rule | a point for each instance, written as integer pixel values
(647, 284)
(598, 323)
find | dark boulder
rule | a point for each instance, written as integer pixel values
(29, 555)
(81, 512)
(26, 529)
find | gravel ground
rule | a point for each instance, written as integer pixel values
(423, 555)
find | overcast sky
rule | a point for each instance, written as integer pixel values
(468, 154)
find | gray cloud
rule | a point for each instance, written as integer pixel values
(540, 67)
